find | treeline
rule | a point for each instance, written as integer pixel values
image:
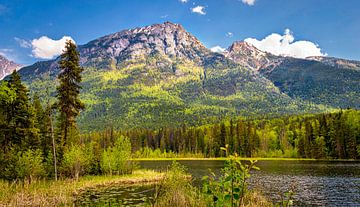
(323, 136)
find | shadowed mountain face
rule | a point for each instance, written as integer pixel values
(7, 67)
(328, 81)
(161, 75)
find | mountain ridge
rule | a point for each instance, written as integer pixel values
(162, 75)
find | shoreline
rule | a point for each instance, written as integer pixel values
(242, 158)
(65, 192)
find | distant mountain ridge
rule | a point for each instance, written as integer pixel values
(163, 75)
(7, 67)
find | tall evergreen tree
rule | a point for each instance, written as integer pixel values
(69, 103)
(21, 119)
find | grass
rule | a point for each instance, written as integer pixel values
(241, 158)
(63, 192)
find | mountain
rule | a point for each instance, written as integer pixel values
(249, 56)
(328, 81)
(161, 75)
(7, 67)
(166, 39)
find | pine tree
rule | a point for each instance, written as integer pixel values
(21, 119)
(68, 91)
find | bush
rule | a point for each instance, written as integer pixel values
(176, 190)
(116, 159)
(76, 161)
(25, 165)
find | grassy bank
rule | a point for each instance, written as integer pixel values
(241, 158)
(63, 192)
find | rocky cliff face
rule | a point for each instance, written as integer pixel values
(7, 67)
(249, 56)
(168, 39)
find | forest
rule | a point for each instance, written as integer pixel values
(321, 136)
(41, 139)
(27, 128)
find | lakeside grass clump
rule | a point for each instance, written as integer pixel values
(64, 192)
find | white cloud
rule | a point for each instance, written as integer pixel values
(229, 34)
(47, 48)
(23, 43)
(183, 1)
(199, 10)
(217, 49)
(284, 45)
(249, 2)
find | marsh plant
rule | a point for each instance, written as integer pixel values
(231, 187)
(176, 190)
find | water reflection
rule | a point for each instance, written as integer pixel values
(315, 183)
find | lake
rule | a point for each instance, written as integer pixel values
(315, 183)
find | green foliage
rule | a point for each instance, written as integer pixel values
(29, 165)
(231, 187)
(68, 91)
(116, 159)
(17, 116)
(320, 136)
(142, 93)
(76, 161)
(320, 83)
(25, 165)
(176, 190)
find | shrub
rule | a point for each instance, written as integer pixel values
(116, 159)
(27, 165)
(75, 161)
(176, 190)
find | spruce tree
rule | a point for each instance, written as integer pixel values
(69, 103)
(21, 122)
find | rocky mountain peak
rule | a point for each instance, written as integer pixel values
(167, 39)
(7, 67)
(248, 55)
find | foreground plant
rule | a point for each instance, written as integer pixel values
(176, 190)
(231, 188)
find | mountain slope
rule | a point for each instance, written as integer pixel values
(321, 82)
(328, 81)
(161, 75)
(7, 67)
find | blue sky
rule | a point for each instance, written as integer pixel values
(331, 25)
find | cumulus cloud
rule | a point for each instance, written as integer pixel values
(199, 9)
(284, 45)
(217, 49)
(47, 48)
(249, 2)
(23, 43)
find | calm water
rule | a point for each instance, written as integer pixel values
(316, 183)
